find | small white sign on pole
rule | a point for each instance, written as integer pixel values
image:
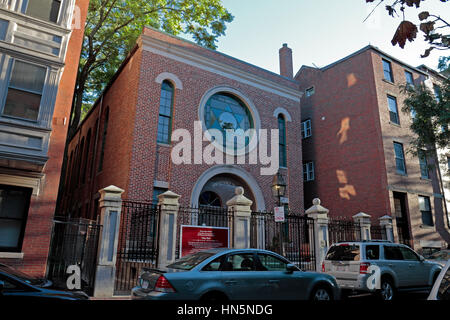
(279, 214)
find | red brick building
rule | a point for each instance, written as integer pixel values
(41, 45)
(166, 84)
(355, 143)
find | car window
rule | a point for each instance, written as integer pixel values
(372, 252)
(213, 265)
(408, 254)
(444, 288)
(392, 253)
(344, 252)
(190, 261)
(239, 262)
(271, 263)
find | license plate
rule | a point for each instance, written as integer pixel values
(340, 268)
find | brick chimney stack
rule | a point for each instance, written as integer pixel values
(286, 68)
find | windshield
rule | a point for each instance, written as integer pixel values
(343, 252)
(20, 275)
(190, 261)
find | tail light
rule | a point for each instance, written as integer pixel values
(364, 267)
(163, 285)
(323, 266)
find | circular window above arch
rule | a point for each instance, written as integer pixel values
(231, 121)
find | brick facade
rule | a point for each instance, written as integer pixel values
(135, 162)
(38, 228)
(352, 143)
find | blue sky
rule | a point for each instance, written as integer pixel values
(318, 31)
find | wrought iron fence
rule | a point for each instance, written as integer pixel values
(204, 216)
(73, 242)
(378, 232)
(293, 239)
(341, 229)
(138, 243)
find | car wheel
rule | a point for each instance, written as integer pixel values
(214, 297)
(321, 294)
(387, 291)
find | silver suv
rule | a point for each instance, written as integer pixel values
(381, 267)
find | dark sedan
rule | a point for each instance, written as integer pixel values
(14, 283)
(234, 274)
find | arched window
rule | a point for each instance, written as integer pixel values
(165, 112)
(79, 162)
(94, 150)
(105, 131)
(282, 140)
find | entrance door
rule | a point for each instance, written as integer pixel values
(402, 218)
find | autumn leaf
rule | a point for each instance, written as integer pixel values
(427, 27)
(424, 15)
(426, 53)
(410, 3)
(405, 31)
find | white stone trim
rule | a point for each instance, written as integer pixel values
(161, 184)
(20, 181)
(169, 76)
(284, 112)
(11, 255)
(233, 170)
(189, 57)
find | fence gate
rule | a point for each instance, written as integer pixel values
(138, 243)
(73, 243)
(293, 239)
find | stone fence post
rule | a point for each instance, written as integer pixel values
(363, 219)
(110, 210)
(386, 222)
(321, 241)
(240, 207)
(169, 206)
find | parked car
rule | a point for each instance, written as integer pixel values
(14, 283)
(441, 288)
(400, 268)
(234, 274)
(441, 257)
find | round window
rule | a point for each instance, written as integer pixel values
(225, 113)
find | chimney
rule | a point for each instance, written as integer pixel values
(286, 68)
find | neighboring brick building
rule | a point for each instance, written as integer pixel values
(355, 142)
(39, 54)
(166, 84)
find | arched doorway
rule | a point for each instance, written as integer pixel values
(222, 180)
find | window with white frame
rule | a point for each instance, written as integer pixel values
(25, 89)
(393, 110)
(423, 165)
(306, 129)
(399, 158)
(47, 10)
(409, 78)
(425, 210)
(308, 171)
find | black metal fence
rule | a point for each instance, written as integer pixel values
(74, 242)
(204, 216)
(293, 239)
(378, 232)
(138, 243)
(341, 229)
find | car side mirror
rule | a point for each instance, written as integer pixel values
(422, 259)
(290, 268)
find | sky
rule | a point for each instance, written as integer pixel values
(319, 32)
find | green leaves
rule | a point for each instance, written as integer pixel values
(113, 26)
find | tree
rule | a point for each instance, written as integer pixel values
(432, 26)
(113, 26)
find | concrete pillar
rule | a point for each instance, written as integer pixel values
(386, 222)
(169, 206)
(363, 219)
(240, 206)
(110, 210)
(321, 238)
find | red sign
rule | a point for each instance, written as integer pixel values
(198, 238)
